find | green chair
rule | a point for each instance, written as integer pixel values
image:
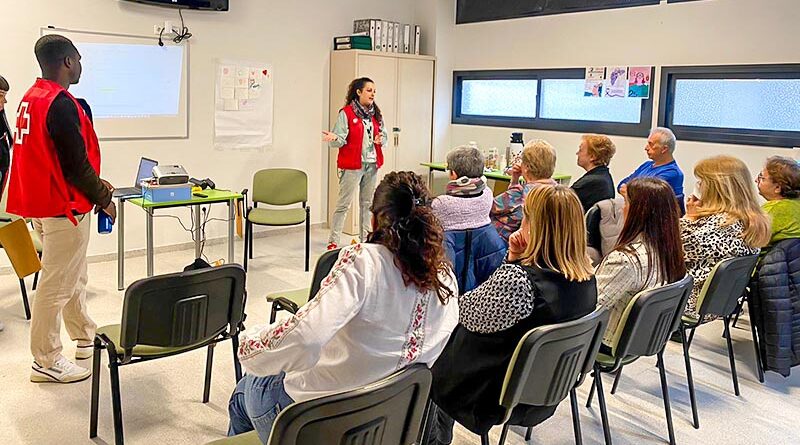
(648, 320)
(719, 297)
(167, 315)
(277, 187)
(388, 412)
(549, 363)
(292, 300)
(16, 240)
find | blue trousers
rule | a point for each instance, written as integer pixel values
(255, 403)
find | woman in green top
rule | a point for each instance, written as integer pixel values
(779, 184)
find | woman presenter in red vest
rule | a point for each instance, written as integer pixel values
(358, 134)
(55, 181)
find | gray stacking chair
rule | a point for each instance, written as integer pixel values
(167, 315)
(649, 319)
(719, 297)
(388, 412)
(548, 364)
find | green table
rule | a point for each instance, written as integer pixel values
(212, 196)
(497, 175)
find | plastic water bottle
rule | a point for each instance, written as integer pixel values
(104, 223)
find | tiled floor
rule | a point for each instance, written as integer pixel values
(161, 399)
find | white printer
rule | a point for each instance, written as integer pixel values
(170, 175)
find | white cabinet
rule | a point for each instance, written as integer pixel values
(404, 93)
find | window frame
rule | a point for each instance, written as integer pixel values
(539, 123)
(737, 136)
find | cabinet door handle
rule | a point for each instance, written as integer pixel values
(396, 139)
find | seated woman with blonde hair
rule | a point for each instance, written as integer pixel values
(723, 220)
(547, 279)
(536, 167)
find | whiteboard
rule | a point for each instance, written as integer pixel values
(136, 89)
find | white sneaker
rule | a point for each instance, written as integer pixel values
(62, 371)
(84, 352)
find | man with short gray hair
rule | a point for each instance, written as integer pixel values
(660, 148)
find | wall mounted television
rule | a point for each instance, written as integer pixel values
(207, 5)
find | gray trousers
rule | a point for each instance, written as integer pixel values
(365, 179)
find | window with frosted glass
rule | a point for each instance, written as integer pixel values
(502, 98)
(752, 104)
(564, 99)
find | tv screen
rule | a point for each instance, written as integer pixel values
(208, 5)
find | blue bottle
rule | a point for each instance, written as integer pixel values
(104, 223)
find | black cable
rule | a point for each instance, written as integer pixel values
(160, 34)
(184, 33)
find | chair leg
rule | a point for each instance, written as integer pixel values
(250, 249)
(35, 280)
(528, 433)
(246, 243)
(25, 299)
(308, 235)
(616, 381)
(598, 378)
(485, 439)
(689, 379)
(737, 312)
(756, 344)
(95, 390)
(237, 366)
(209, 365)
(591, 394)
(503, 434)
(665, 393)
(576, 418)
(732, 359)
(116, 402)
(691, 336)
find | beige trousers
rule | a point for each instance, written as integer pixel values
(62, 287)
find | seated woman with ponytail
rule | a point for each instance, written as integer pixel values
(364, 323)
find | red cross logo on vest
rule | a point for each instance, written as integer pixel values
(23, 123)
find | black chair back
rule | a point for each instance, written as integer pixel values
(650, 318)
(727, 282)
(389, 412)
(550, 359)
(324, 265)
(183, 309)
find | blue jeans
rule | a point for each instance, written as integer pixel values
(255, 403)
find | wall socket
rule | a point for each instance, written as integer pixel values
(166, 26)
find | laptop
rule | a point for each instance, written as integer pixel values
(145, 171)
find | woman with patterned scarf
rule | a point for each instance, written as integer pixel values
(468, 201)
(358, 134)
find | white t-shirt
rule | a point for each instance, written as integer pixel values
(363, 325)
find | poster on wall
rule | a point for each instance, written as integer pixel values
(639, 81)
(242, 105)
(593, 86)
(616, 84)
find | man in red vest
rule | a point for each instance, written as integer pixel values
(55, 180)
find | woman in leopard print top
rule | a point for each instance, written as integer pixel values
(725, 221)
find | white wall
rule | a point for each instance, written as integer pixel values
(695, 33)
(295, 37)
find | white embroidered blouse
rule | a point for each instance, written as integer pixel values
(363, 325)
